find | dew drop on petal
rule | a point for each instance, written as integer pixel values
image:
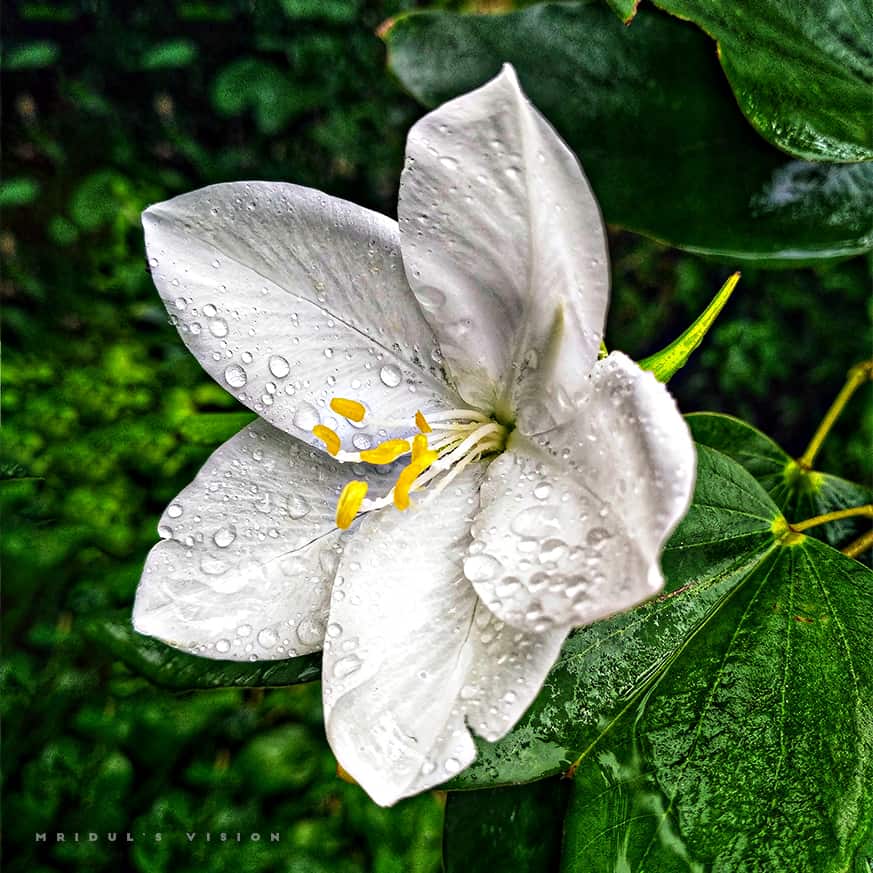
(267, 638)
(306, 417)
(346, 666)
(235, 376)
(223, 537)
(310, 631)
(222, 646)
(218, 327)
(481, 568)
(279, 366)
(174, 510)
(390, 375)
(298, 506)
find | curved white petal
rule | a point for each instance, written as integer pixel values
(288, 297)
(249, 552)
(505, 248)
(412, 658)
(573, 521)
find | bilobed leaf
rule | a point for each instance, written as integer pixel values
(177, 670)
(754, 751)
(727, 724)
(505, 829)
(801, 72)
(649, 113)
(799, 494)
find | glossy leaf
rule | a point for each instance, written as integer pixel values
(800, 494)
(754, 751)
(714, 713)
(505, 829)
(801, 72)
(177, 670)
(649, 113)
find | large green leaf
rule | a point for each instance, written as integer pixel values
(505, 829)
(754, 752)
(799, 493)
(180, 671)
(653, 120)
(801, 72)
(729, 722)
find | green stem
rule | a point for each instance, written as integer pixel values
(859, 374)
(860, 545)
(866, 510)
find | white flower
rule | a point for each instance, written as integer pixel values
(548, 483)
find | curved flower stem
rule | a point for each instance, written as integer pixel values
(866, 510)
(859, 374)
(860, 545)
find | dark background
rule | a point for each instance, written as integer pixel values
(110, 107)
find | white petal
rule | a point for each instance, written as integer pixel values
(412, 657)
(505, 249)
(573, 521)
(249, 552)
(288, 298)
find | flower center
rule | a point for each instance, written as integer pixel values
(447, 441)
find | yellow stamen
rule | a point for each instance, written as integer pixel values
(421, 422)
(350, 409)
(328, 437)
(419, 446)
(385, 452)
(349, 502)
(408, 476)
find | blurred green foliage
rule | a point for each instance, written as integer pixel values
(107, 110)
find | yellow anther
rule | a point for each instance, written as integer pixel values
(421, 422)
(350, 409)
(328, 437)
(409, 474)
(385, 452)
(349, 502)
(419, 446)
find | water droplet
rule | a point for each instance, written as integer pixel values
(306, 417)
(223, 537)
(390, 375)
(247, 357)
(430, 297)
(328, 353)
(267, 638)
(361, 442)
(235, 376)
(542, 491)
(535, 521)
(243, 630)
(310, 631)
(218, 327)
(174, 510)
(181, 303)
(346, 666)
(597, 535)
(448, 162)
(222, 646)
(298, 506)
(279, 366)
(452, 765)
(334, 630)
(552, 551)
(209, 310)
(481, 568)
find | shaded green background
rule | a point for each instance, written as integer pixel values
(107, 110)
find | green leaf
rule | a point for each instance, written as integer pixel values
(177, 670)
(799, 494)
(18, 191)
(728, 723)
(670, 360)
(801, 72)
(754, 751)
(624, 9)
(505, 829)
(170, 54)
(31, 56)
(212, 428)
(650, 115)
